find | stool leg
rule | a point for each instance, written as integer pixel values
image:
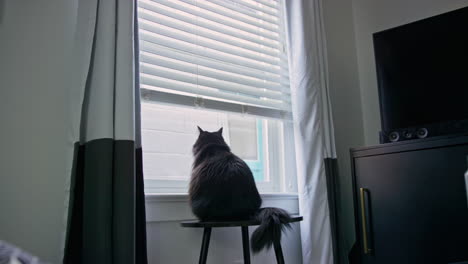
(205, 245)
(245, 244)
(278, 252)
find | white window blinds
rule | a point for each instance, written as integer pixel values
(220, 54)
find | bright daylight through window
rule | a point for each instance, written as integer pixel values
(214, 63)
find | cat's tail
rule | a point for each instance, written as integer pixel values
(272, 222)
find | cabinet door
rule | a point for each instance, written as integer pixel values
(415, 205)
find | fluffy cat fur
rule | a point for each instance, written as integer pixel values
(222, 187)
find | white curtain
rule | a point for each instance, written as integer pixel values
(313, 128)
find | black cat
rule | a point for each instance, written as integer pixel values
(222, 187)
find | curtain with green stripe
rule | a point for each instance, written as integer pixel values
(106, 212)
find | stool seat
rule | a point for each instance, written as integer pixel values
(244, 224)
(252, 222)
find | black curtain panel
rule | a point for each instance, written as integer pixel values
(331, 173)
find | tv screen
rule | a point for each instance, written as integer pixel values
(422, 71)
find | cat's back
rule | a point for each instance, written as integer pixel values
(223, 186)
(225, 164)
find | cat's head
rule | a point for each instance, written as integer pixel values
(205, 138)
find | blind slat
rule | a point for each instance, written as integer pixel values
(212, 54)
(185, 17)
(221, 37)
(216, 45)
(195, 89)
(211, 83)
(267, 15)
(211, 63)
(259, 7)
(194, 68)
(193, 11)
(152, 96)
(272, 3)
(233, 15)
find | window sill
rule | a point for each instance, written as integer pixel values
(175, 207)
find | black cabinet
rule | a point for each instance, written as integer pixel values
(410, 201)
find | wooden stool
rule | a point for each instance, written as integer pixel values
(245, 236)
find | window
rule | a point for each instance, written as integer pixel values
(214, 63)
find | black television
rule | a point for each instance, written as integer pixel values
(422, 72)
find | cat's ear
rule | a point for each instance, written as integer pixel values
(220, 131)
(200, 130)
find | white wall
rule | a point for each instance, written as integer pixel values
(346, 106)
(34, 40)
(371, 16)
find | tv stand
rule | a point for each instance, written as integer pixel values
(410, 201)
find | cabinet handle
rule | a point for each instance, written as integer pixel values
(367, 249)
